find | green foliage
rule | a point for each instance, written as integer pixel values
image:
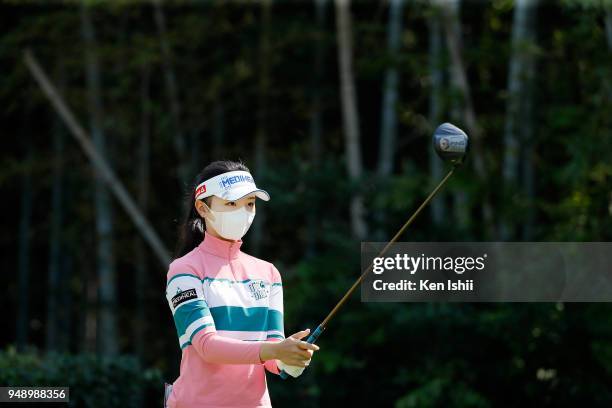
(94, 381)
(442, 391)
(403, 355)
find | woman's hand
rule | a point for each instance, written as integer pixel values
(291, 351)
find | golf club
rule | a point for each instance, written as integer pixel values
(451, 145)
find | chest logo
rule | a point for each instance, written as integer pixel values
(258, 289)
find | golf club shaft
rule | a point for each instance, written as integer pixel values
(317, 332)
(395, 237)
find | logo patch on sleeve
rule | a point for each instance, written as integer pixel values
(183, 297)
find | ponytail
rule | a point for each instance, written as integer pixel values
(192, 227)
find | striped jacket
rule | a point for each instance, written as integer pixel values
(217, 288)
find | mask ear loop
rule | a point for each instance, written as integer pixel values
(198, 223)
(210, 211)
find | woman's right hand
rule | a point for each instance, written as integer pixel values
(291, 351)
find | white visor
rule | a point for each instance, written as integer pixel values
(230, 186)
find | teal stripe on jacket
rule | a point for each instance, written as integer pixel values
(246, 319)
(219, 280)
(189, 313)
(180, 275)
(240, 281)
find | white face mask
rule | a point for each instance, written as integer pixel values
(232, 224)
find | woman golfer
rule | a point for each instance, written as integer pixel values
(227, 306)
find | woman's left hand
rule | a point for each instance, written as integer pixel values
(292, 351)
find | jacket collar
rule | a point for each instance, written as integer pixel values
(219, 247)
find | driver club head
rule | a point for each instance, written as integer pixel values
(451, 143)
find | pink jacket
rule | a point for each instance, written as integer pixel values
(224, 304)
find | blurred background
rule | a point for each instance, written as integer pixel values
(332, 105)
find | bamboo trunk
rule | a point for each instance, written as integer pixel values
(435, 110)
(350, 116)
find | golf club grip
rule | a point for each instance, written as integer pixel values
(311, 339)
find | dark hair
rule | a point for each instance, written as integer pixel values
(191, 229)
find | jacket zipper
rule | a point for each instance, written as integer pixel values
(229, 259)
